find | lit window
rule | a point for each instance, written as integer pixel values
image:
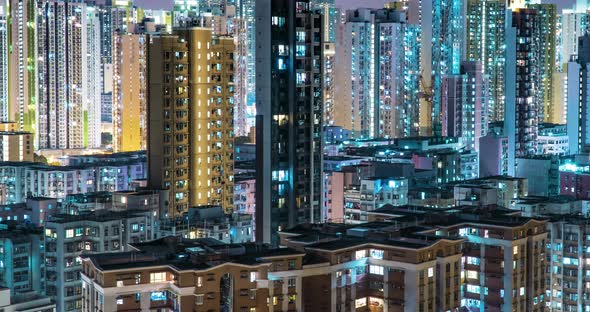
(473, 260)
(292, 298)
(253, 276)
(515, 250)
(120, 284)
(158, 296)
(361, 302)
(376, 269)
(376, 254)
(70, 233)
(472, 274)
(199, 299)
(359, 254)
(473, 289)
(199, 281)
(119, 300)
(430, 272)
(158, 277)
(522, 291)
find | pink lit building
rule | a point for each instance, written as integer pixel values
(333, 202)
(244, 196)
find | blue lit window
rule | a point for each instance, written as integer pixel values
(278, 21)
(280, 175)
(300, 50)
(376, 254)
(281, 64)
(158, 296)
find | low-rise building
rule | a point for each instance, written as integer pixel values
(210, 221)
(503, 261)
(568, 261)
(542, 173)
(552, 139)
(195, 275)
(371, 194)
(244, 194)
(574, 180)
(68, 237)
(346, 272)
(22, 259)
(475, 195)
(533, 206)
(31, 301)
(469, 165)
(507, 188)
(19, 180)
(430, 197)
(493, 155)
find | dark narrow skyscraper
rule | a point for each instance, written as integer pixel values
(522, 103)
(289, 42)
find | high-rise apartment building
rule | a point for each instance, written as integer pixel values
(574, 25)
(376, 58)
(23, 33)
(331, 15)
(485, 42)
(93, 82)
(15, 145)
(545, 55)
(289, 95)
(61, 47)
(129, 92)
(190, 77)
(464, 104)
(4, 101)
(329, 84)
(115, 18)
(245, 68)
(443, 49)
(577, 96)
(521, 89)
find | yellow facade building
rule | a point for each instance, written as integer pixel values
(129, 92)
(190, 109)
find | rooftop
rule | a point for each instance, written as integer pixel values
(96, 216)
(185, 254)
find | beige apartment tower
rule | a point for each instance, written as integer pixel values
(129, 92)
(190, 113)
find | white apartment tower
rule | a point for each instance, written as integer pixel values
(62, 51)
(92, 82)
(3, 61)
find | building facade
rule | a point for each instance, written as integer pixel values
(129, 92)
(22, 258)
(485, 40)
(289, 96)
(521, 118)
(190, 108)
(22, 64)
(382, 75)
(464, 105)
(68, 237)
(61, 49)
